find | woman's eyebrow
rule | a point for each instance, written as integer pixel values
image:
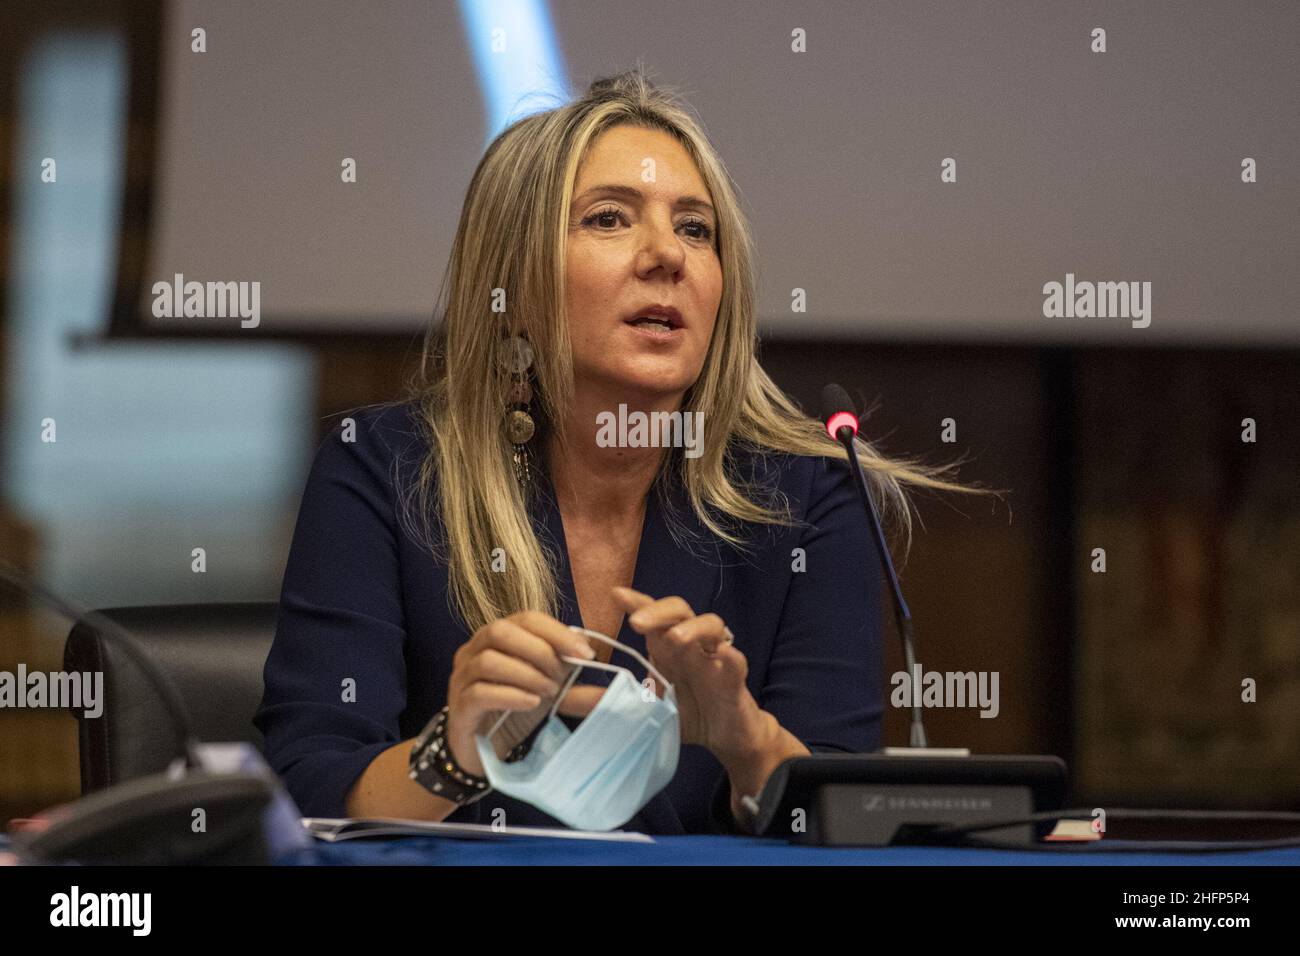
(633, 194)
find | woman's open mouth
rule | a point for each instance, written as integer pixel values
(659, 322)
(654, 328)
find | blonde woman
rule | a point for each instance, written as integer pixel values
(601, 268)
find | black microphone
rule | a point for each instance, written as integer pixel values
(148, 820)
(842, 423)
(900, 794)
(105, 627)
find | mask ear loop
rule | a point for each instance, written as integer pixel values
(580, 662)
(610, 667)
(564, 689)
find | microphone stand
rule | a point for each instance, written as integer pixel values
(902, 794)
(845, 435)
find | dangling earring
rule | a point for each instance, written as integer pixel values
(516, 360)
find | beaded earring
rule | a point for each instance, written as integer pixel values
(516, 360)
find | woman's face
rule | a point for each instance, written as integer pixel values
(634, 245)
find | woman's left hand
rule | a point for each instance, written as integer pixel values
(695, 653)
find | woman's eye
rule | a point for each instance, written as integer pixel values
(706, 231)
(606, 218)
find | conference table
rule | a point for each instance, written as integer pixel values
(734, 851)
(739, 851)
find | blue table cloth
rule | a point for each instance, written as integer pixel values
(727, 851)
(734, 851)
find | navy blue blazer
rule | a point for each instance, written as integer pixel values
(362, 600)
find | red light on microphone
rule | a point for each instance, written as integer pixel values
(840, 420)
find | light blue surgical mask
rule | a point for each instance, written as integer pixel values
(598, 776)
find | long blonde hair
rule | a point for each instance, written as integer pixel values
(511, 237)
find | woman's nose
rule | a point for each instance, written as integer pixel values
(661, 247)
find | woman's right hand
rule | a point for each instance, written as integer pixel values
(511, 664)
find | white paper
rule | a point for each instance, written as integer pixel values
(333, 829)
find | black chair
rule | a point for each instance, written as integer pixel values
(214, 653)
